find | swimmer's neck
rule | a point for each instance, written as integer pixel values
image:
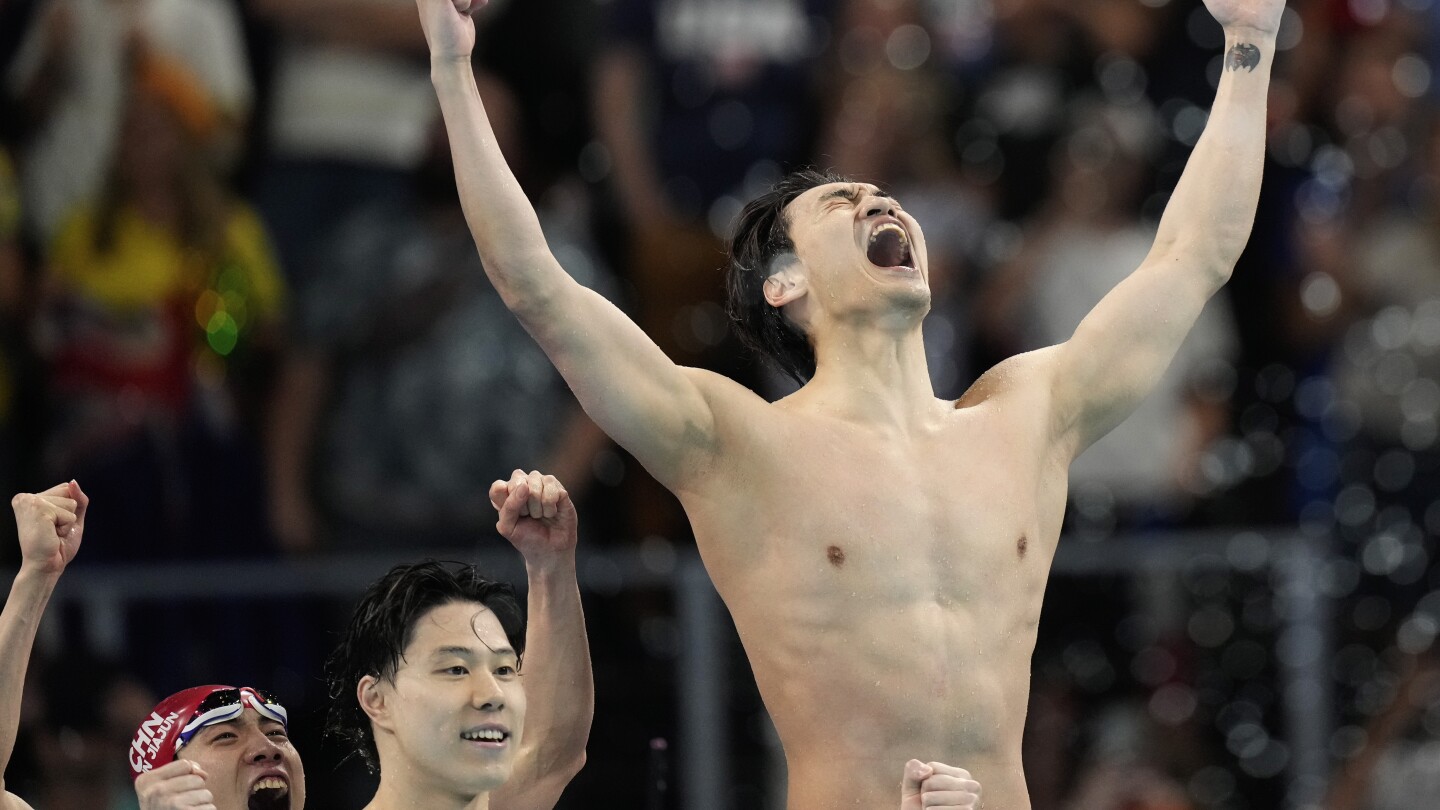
(870, 375)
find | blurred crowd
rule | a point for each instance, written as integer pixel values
(239, 302)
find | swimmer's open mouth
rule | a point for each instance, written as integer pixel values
(269, 793)
(890, 248)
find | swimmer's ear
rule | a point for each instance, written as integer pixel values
(371, 697)
(788, 283)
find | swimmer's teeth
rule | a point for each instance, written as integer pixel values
(890, 226)
(269, 783)
(485, 735)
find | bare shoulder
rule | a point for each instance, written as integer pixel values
(1023, 377)
(736, 415)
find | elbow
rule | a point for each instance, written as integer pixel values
(1214, 258)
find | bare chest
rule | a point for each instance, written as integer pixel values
(941, 517)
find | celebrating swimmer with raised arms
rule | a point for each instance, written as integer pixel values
(883, 552)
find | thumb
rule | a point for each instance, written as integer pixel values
(916, 772)
(499, 491)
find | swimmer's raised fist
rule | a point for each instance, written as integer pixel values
(50, 525)
(448, 28)
(535, 514)
(937, 785)
(178, 785)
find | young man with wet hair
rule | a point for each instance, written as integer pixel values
(863, 503)
(427, 684)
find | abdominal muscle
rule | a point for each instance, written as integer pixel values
(860, 680)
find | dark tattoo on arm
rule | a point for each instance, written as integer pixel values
(1243, 56)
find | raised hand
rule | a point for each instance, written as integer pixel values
(178, 785)
(1259, 16)
(937, 785)
(51, 525)
(448, 28)
(536, 514)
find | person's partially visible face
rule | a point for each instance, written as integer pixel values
(456, 705)
(860, 251)
(249, 764)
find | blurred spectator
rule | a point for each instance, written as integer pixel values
(69, 80)
(79, 715)
(1087, 239)
(350, 114)
(15, 366)
(1123, 772)
(1398, 758)
(160, 315)
(413, 387)
(699, 104)
(1038, 58)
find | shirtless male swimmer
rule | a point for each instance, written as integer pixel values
(883, 552)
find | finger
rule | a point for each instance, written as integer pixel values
(550, 498)
(513, 508)
(68, 504)
(915, 773)
(942, 781)
(195, 800)
(948, 770)
(63, 518)
(59, 500)
(499, 491)
(537, 488)
(947, 798)
(81, 499)
(187, 783)
(171, 770)
(59, 491)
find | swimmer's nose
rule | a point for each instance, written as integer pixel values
(880, 207)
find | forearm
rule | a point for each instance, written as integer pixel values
(559, 685)
(1213, 208)
(501, 218)
(18, 623)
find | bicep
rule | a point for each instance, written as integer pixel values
(657, 410)
(1124, 345)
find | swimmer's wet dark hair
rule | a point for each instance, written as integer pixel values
(762, 235)
(383, 625)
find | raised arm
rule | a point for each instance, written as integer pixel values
(1124, 345)
(50, 525)
(538, 518)
(652, 407)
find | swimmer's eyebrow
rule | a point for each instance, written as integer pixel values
(852, 193)
(470, 653)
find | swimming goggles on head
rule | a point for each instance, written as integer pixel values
(224, 705)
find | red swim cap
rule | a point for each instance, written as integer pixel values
(177, 718)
